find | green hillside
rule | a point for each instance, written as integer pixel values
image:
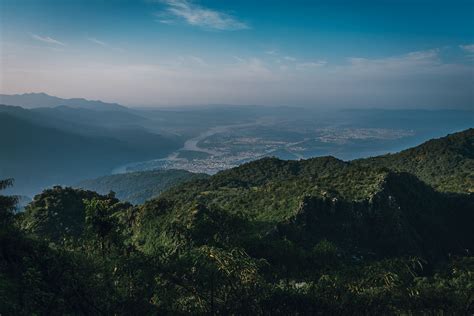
(271, 237)
(446, 163)
(137, 187)
(375, 205)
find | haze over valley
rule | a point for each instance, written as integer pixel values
(74, 139)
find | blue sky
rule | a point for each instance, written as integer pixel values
(183, 52)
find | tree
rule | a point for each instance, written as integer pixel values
(99, 223)
(7, 204)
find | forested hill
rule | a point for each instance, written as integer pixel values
(446, 163)
(137, 187)
(312, 237)
(270, 191)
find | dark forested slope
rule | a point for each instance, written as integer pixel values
(359, 209)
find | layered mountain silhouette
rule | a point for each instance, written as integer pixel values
(63, 145)
(41, 100)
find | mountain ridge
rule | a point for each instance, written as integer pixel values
(441, 162)
(39, 100)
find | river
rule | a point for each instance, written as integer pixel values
(191, 144)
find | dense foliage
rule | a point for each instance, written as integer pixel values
(137, 187)
(320, 236)
(446, 163)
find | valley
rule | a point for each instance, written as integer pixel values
(87, 139)
(228, 146)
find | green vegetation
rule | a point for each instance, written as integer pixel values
(447, 163)
(137, 187)
(315, 237)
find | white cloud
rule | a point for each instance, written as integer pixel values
(238, 59)
(468, 48)
(198, 60)
(247, 68)
(407, 63)
(289, 58)
(311, 64)
(272, 52)
(166, 21)
(47, 39)
(197, 15)
(188, 61)
(98, 42)
(104, 44)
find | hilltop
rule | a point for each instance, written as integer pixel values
(446, 163)
(270, 192)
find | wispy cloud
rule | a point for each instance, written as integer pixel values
(197, 15)
(104, 44)
(98, 42)
(272, 52)
(311, 64)
(198, 60)
(238, 59)
(468, 48)
(409, 63)
(287, 62)
(166, 21)
(186, 62)
(418, 79)
(47, 39)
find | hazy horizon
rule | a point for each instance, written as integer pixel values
(183, 53)
(216, 105)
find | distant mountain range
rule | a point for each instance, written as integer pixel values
(37, 156)
(46, 146)
(42, 100)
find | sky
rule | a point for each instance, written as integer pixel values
(393, 54)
